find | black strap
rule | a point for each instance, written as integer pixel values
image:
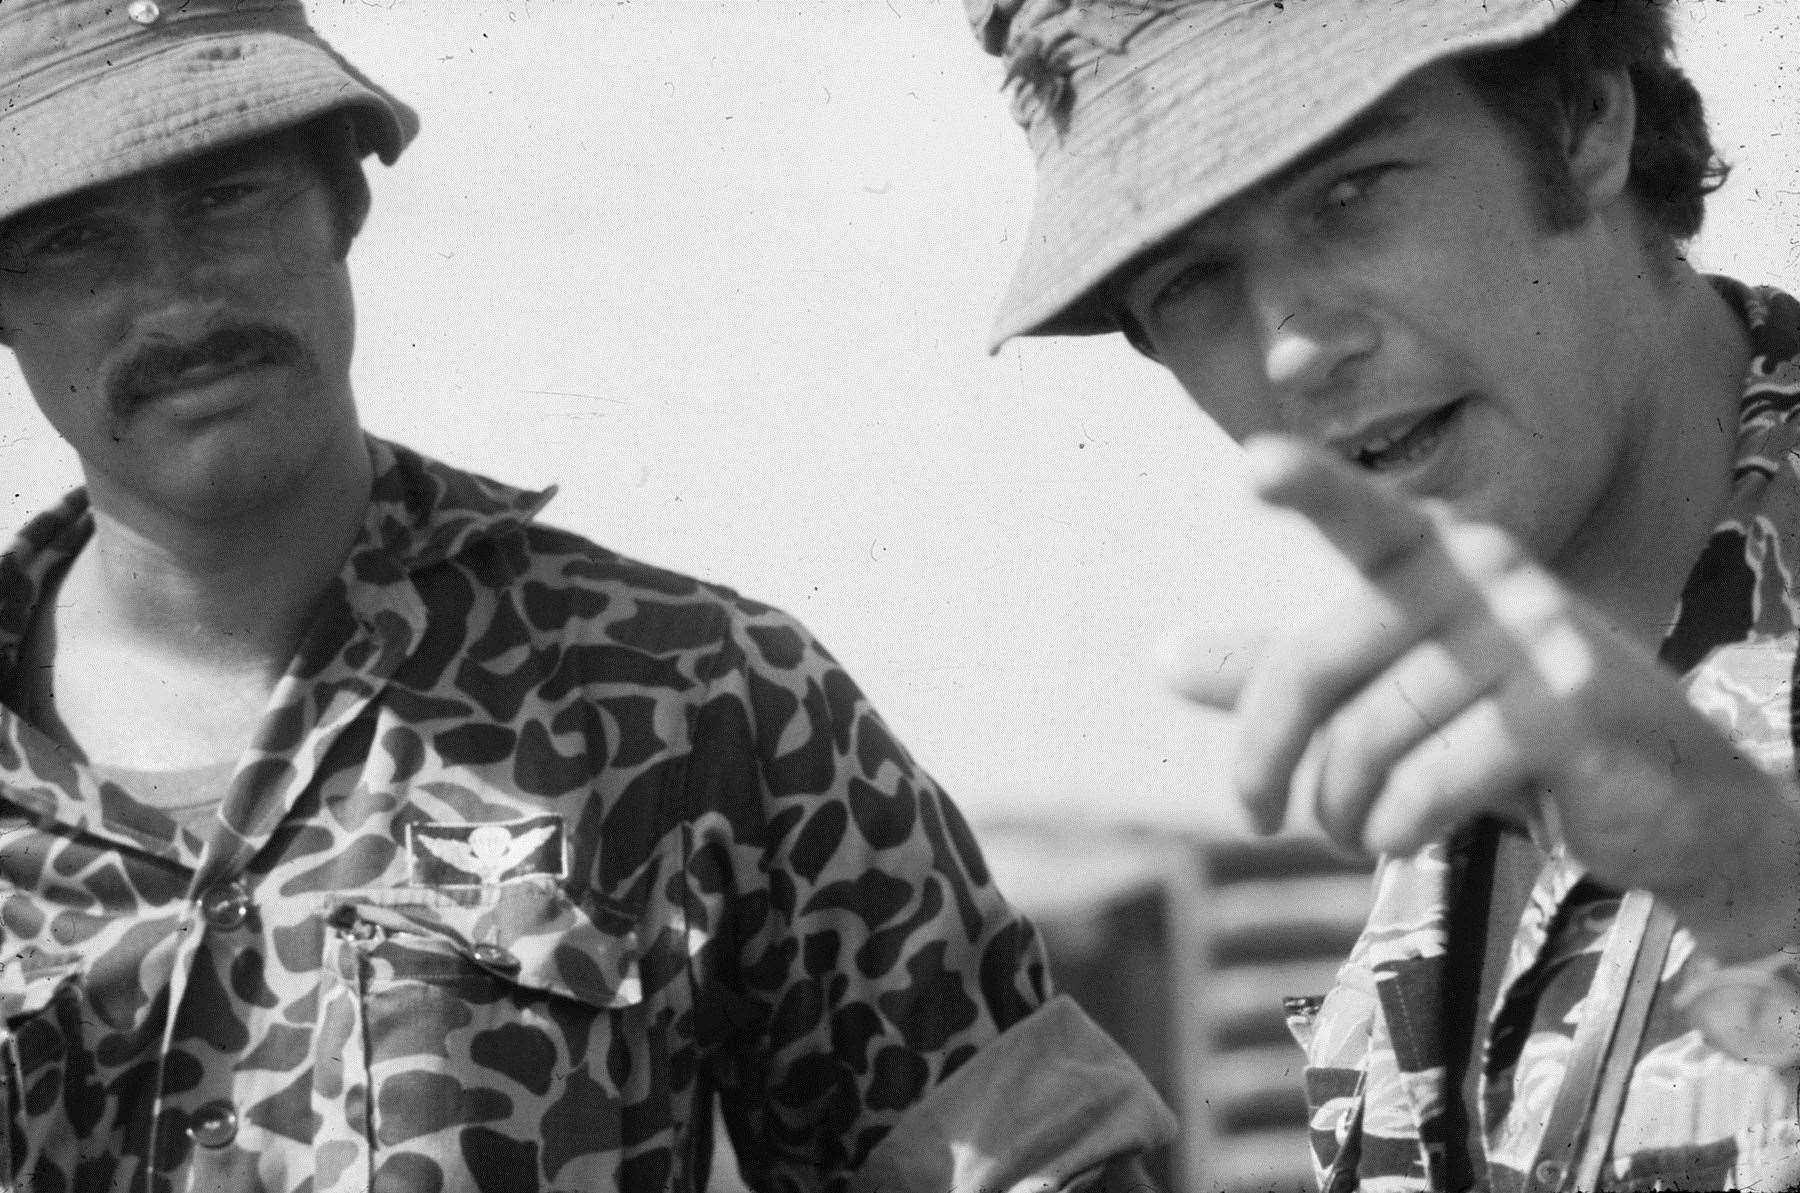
(1580, 1131)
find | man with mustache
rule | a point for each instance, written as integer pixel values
(1425, 259)
(359, 832)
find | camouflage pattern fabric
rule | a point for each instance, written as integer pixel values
(1694, 1117)
(538, 849)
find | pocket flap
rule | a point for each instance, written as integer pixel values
(529, 933)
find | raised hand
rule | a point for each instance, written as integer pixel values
(1455, 675)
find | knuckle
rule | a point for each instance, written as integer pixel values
(1413, 782)
(1529, 602)
(1441, 512)
(1483, 550)
(1357, 739)
(1416, 803)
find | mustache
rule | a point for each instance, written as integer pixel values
(160, 359)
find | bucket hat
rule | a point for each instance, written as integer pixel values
(95, 90)
(1146, 114)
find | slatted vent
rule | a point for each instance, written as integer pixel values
(1274, 918)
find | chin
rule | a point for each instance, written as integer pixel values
(222, 481)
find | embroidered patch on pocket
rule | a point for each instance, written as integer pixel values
(453, 854)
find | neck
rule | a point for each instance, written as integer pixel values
(234, 591)
(1672, 485)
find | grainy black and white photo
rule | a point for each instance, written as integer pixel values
(889, 595)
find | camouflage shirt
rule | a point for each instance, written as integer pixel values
(1694, 1116)
(537, 850)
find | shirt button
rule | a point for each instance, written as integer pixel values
(144, 12)
(494, 957)
(214, 1124)
(225, 907)
(1549, 1173)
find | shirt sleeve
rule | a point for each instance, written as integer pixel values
(879, 978)
(1038, 1110)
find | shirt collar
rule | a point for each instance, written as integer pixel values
(1771, 382)
(421, 512)
(1772, 319)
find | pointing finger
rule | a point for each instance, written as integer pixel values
(1369, 524)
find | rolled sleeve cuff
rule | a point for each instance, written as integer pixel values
(1749, 1010)
(1038, 1108)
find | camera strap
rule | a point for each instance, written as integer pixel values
(1586, 1112)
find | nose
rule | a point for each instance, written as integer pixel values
(165, 247)
(173, 263)
(1315, 333)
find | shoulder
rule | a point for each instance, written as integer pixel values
(645, 603)
(459, 534)
(1771, 320)
(493, 579)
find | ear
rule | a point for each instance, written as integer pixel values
(1601, 135)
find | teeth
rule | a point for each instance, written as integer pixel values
(1381, 443)
(1404, 442)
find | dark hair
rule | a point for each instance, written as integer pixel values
(1542, 89)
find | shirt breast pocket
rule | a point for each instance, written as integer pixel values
(471, 1033)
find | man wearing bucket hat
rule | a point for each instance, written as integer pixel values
(358, 832)
(1424, 258)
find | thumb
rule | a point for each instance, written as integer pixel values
(1209, 663)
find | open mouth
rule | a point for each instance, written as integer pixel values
(1397, 445)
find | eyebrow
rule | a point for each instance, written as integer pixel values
(1383, 120)
(51, 212)
(1387, 117)
(182, 175)
(231, 159)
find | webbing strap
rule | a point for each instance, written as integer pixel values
(1580, 1131)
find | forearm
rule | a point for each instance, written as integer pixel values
(1051, 1103)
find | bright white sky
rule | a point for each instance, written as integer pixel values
(722, 269)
